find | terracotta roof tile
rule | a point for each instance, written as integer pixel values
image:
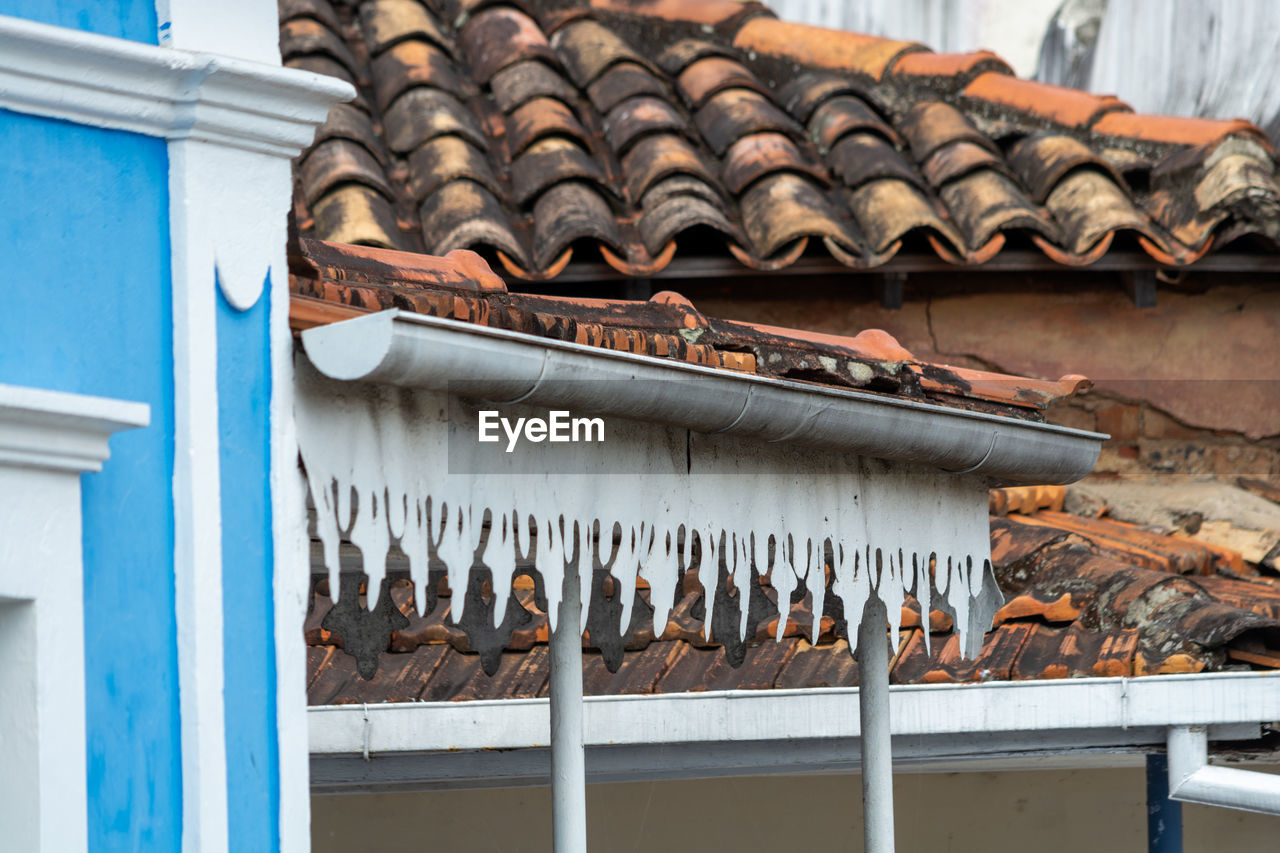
(472, 113)
(461, 286)
(1070, 108)
(1173, 129)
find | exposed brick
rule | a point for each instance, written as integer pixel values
(1122, 421)
(1156, 424)
(1071, 415)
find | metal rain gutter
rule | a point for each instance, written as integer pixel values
(486, 743)
(411, 350)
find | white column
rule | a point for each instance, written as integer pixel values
(47, 439)
(568, 761)
(873, 707)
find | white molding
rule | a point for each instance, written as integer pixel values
(176, 94)
(936, 728)
(47, 440)
(61, 431)
(197, 504)
(782, 715)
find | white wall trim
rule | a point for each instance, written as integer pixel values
(176, 94)
(47, 439)
(755, 715)
(936, 728)
(60, 431)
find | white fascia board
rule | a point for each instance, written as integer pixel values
(176, 94)
(411, 350)
(764, 715)
(61, 431)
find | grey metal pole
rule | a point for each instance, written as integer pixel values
(568, 762)
(873, 706)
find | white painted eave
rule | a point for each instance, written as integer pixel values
(745, 732)
(411, 350)
(61, 431)
(176, 94)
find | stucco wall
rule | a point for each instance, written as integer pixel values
(88, 310)
(1101, 811)
(1186, 387)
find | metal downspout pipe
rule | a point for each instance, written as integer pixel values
(873, 708)
(568, 758)
(1193, 780)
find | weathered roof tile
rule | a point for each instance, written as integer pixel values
(647, 90)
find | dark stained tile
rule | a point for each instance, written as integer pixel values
(355, 213)
(624, 81)
(588, 49)
(523, 81)
(448, 158)
(783, 208)
(500, 36)
(733, 113)
(423, 114)
(568, 212)
(842, 115)
(665, 219)
(640, 116)
(758, 154)
(352, 123)
(310, 37)
(661, 155)
(416, 63)
(932, 124)
(1042, 160)
(817, 666)
(861, 157)
(888, 209)
(321, 10)
(463, 214)
(950, 147)
(713, 74)
(1075, 652)
(986, 202)
(340, 161)
(1087, 205)
(550, 161)
(386, 23)
(957, 160)
(539, 118)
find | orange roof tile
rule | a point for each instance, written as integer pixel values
(1069, 107)
(637, 130)
(1173, 129)
(463, 287)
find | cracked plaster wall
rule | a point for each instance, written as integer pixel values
(1191, 386)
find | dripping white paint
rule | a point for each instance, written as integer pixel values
(389, 465)
(559, 426)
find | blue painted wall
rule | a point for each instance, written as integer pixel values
(129, 19)
(244, 397)
(84, 231)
